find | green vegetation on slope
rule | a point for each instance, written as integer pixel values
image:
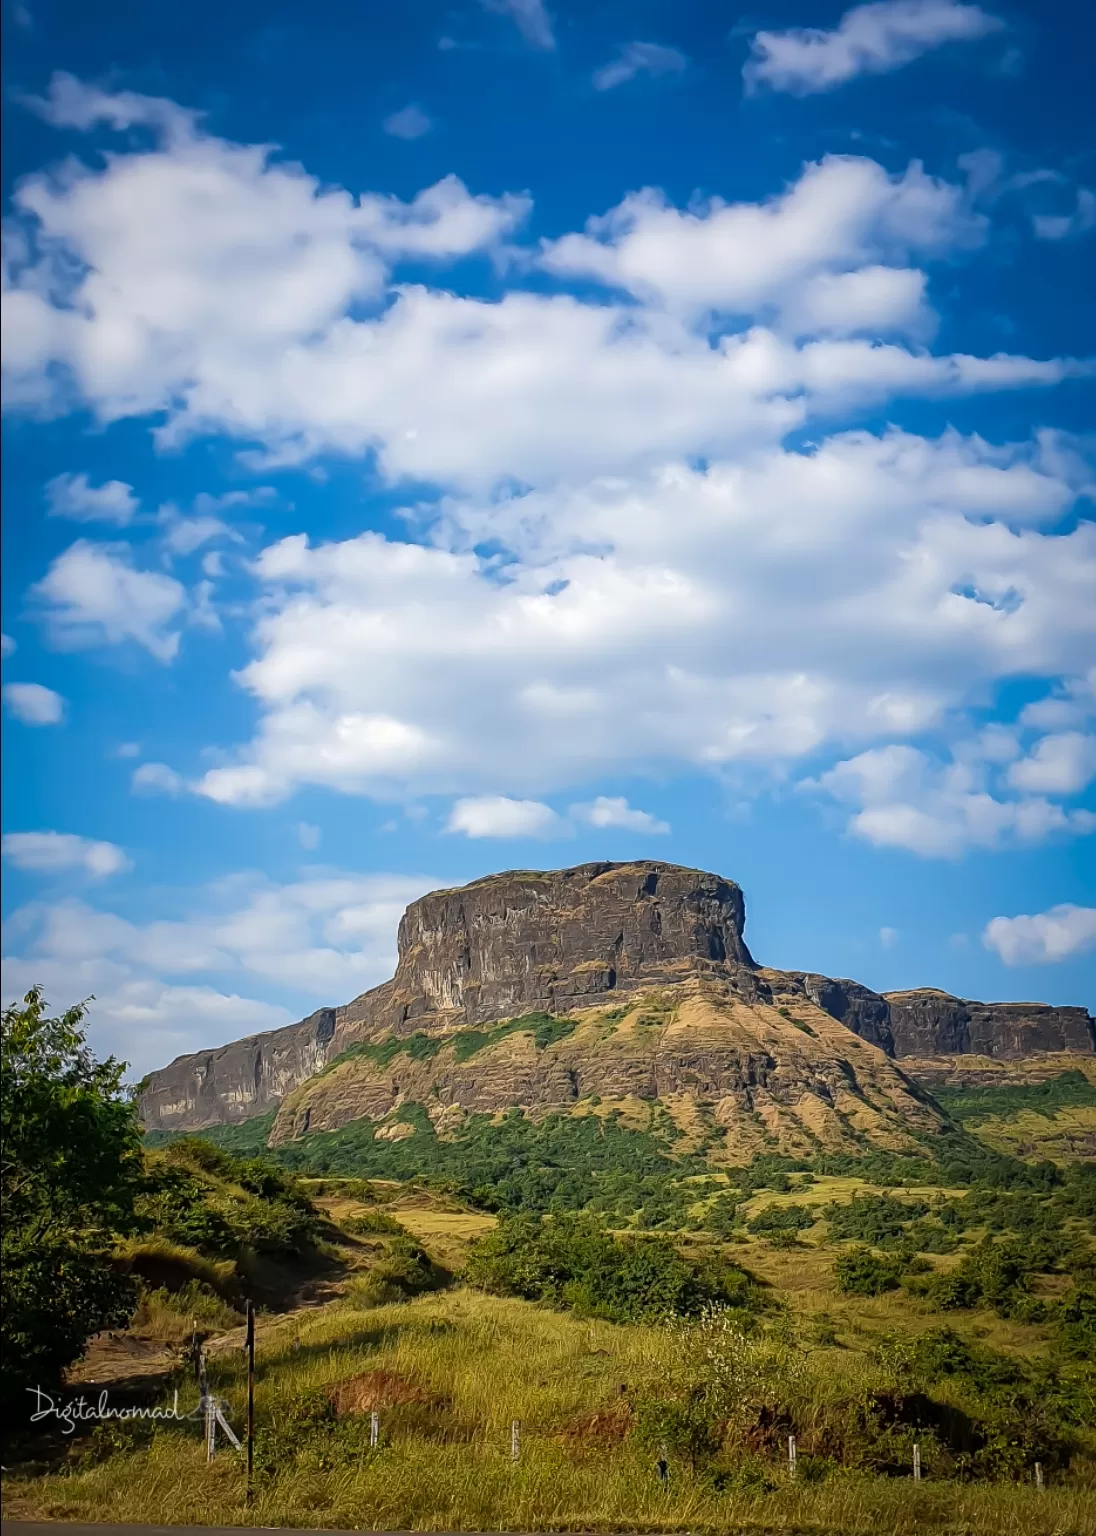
(545, 1029)
(567, 1261)
(1069, 1090)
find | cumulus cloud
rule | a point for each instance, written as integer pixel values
(869, 40)
(1062, 764)
(74, 497)
(497, 816)
(940, 810)
(93, 595)
(232, 293)
(621, 564)
(614, 811)
(34, 704)
(193, 256)
(55, 852)
(156, 779)
(757, 611)
(410, 122)
(843, 213)
(1045, 938)
(634, 59)
(530, 17)
(161, 986)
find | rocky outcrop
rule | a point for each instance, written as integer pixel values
(553, 941)
(509, 944)
(237, 1081)
(858, 1008)
(929, 1023)
(568, 941)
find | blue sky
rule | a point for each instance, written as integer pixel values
(449, 438)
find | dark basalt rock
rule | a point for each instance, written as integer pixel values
(564, 940)
(929, 1023)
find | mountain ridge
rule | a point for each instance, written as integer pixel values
(574, 943)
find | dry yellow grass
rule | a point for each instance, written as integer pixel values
(492, 1361)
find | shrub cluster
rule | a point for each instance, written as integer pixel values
(568, 1261)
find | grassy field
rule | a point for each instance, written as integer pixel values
(448, 1374)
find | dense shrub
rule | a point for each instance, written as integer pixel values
(782, 1218)
(373, 1223)
(567, 1261)
(859, 1272)
(403, 1272)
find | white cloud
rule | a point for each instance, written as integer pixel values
(156, 779)
(869, 40)
(1044, 938)
(529, 16)
(93, 595)
(613, 811)
(1064, 226)
(7, 646)
(128, 749)
(939, 810)
(627, 568)
(33, 704)
(763, 610)
(73, 496)
(496, 816)
(842, 214)
(158, 984)
(53, 852)
(1057, 765)
(639, 59)
(410, 122)
(230, 292)
(308, 835)
(888, 937)
(181, 262)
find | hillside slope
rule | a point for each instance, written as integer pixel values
(646, 990)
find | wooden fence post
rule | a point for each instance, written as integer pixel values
(250, 1343)
(1039, 1474)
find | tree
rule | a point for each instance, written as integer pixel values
(70, 1169)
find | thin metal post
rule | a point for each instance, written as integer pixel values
(208, 1408)
(515, 1445)
(791, 1455)
(250, 1397)
(917, 1463)
(1039, 1474)
(374, 1429)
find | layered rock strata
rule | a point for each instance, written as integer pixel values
(566, 942)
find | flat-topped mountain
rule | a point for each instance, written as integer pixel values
(620, 983)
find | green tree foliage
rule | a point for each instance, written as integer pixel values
(568, 1261)
(197, 1193)
(783, 1218)
(859, 1272)
(71, 1171)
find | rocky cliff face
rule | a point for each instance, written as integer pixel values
(929, 1023)
(569, 941)
(236, 1081)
